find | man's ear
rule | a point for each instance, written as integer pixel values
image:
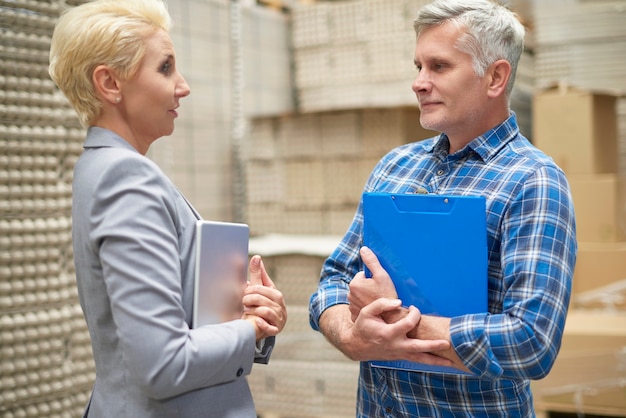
(499, 74)
(106, 84)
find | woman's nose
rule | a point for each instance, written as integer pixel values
(183, 89)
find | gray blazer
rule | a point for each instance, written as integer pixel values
(134, 236)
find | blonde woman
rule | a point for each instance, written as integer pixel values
(133, 232)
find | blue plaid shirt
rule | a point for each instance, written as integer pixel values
(532, 251)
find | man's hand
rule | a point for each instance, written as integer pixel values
(364, 291)
(371, 338)
(264, 305)
(377, 327)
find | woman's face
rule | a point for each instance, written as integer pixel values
(150, 98)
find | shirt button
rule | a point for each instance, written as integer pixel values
(239, 372)
(440, 172)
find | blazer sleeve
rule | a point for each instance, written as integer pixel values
(133, 229)
(264, 350)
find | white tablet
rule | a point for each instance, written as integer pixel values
(221, 271)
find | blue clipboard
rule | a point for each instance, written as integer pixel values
(434, 247)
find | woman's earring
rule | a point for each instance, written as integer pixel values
(118, 99)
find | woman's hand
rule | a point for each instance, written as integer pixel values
(263, 304)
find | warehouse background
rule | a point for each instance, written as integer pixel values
(292, 104)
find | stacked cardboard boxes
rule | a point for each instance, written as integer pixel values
(305, 172)
(583, 43)
(306, 377)
(342, 48)
(588, 378)
(578, 128)
(304, 178)
(199, 155)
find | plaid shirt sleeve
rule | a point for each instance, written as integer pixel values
(337, 272)
(537, 257)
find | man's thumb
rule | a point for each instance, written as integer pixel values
(371, 261)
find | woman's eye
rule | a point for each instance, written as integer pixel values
(165, 68)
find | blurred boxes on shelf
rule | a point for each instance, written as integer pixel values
(294, 262)
(306, 377)
(598, 265)
(589, 376)
(583, 43)
(578, 128)
(579, 118)
(305, 389)
(359, 54)
(600, 205)
(296, 275)
(305, 172)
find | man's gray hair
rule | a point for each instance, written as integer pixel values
(492, 31)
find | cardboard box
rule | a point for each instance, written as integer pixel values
(600, 206)
(598, 265)
(577, 128)
(587, 330)
(589, 374)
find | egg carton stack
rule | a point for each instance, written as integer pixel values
(46, 367)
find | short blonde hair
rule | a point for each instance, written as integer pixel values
(101, 32)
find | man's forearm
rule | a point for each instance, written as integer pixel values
(438, 328)
(431, 328)
(333, 324)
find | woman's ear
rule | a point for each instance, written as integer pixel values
(106, 84)
(499, 74)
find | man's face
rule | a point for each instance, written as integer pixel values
(450, 94)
